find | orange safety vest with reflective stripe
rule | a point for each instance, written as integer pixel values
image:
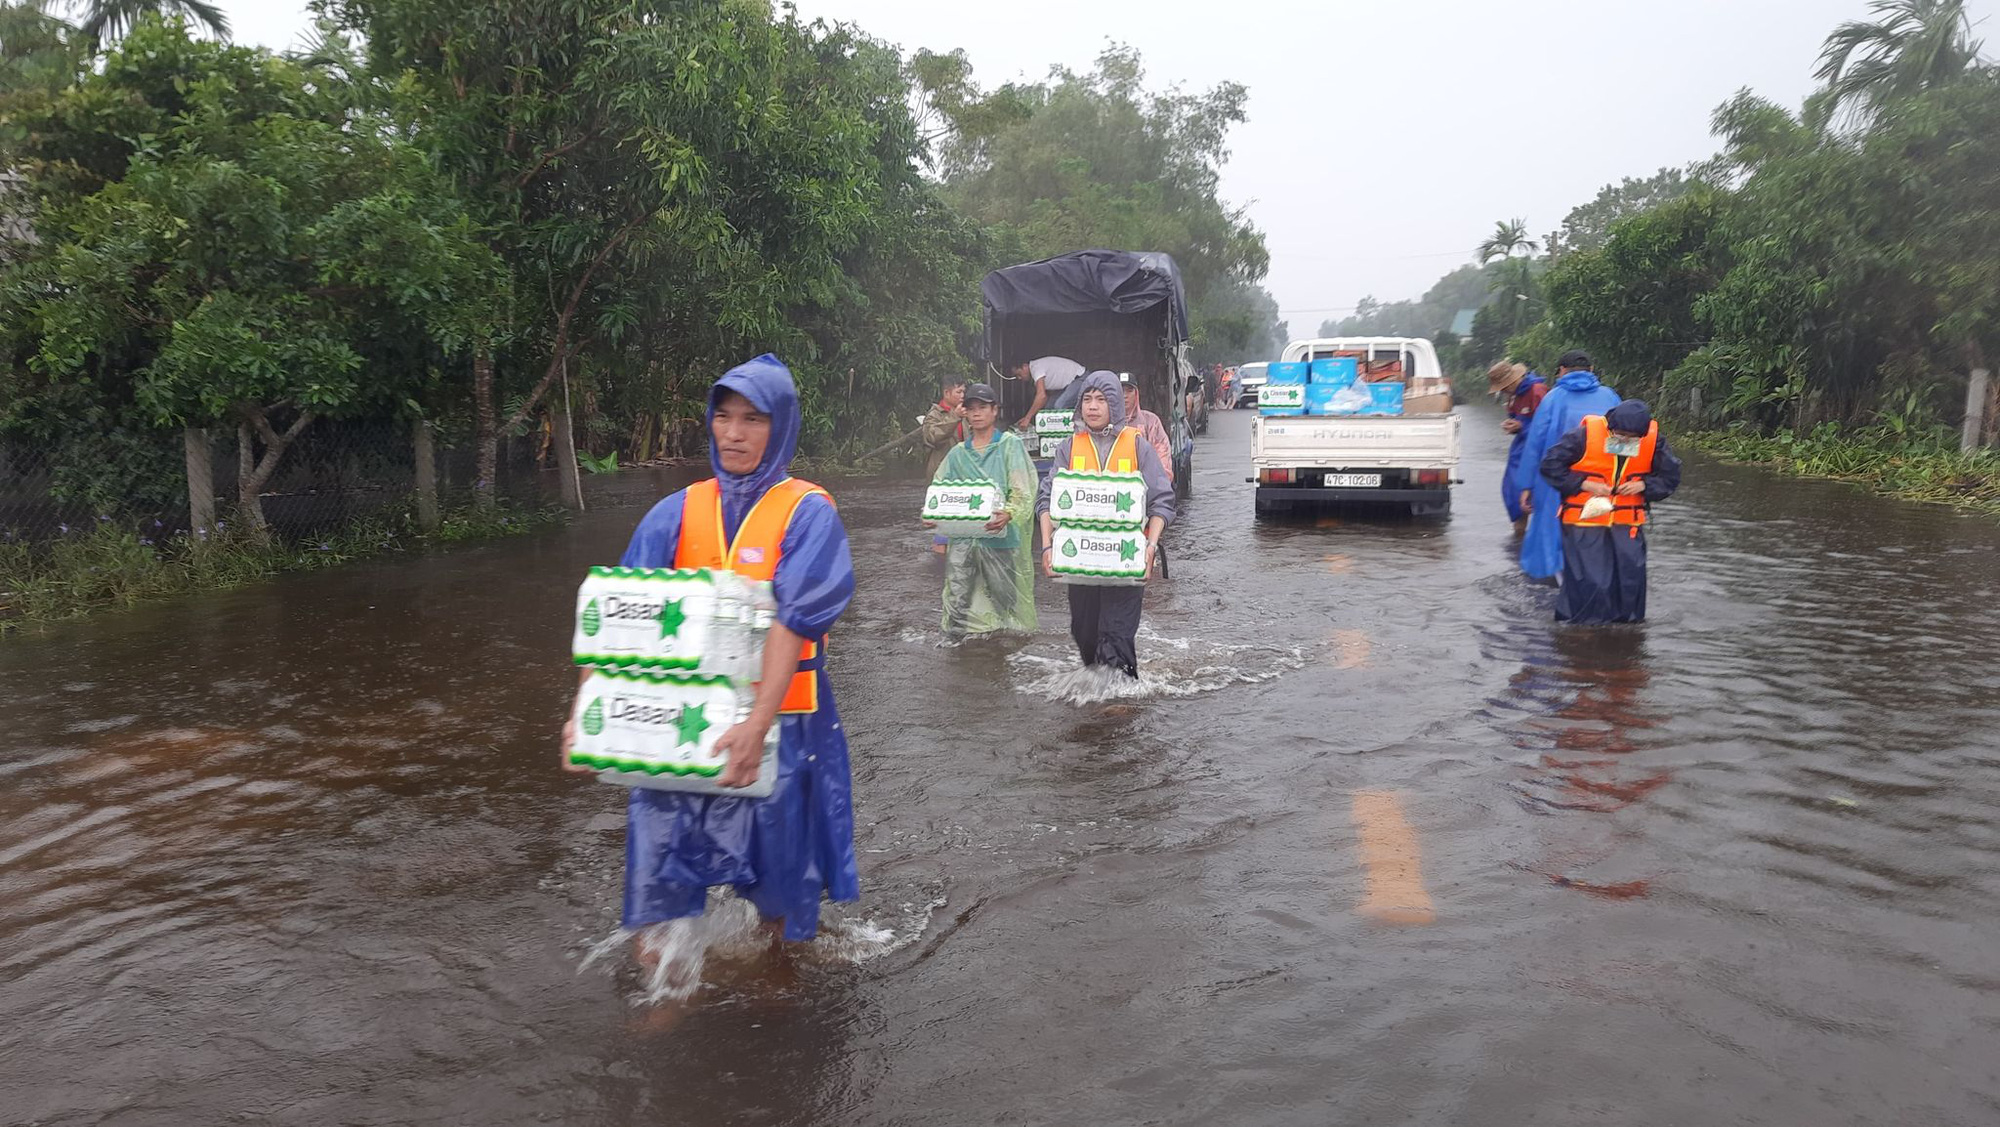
(1599, 462)
(753, 555)
(1124, 453)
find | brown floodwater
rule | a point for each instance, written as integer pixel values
(1379, 844)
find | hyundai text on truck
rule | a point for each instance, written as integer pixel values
(1405, 460)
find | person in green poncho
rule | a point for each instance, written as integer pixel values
(989, 582)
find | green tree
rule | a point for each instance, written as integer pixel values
(671, 186)
(1513, 284)
(1911, 46)
(106, 21)
(1587, 226)
(1098, 160)
(1467, 287)
(254, 249)
(1631, 301)
(38, 51)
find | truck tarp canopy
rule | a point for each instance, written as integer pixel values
(1087, 281)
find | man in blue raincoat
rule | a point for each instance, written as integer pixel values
(1576, 394)
(1522, 391)
(783, 852)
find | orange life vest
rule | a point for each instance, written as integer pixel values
(753, 555)
(1124, 452)
(1600, 463)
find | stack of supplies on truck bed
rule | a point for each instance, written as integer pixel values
(1284, 392)
(1051, 427)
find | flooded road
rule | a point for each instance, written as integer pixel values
(1382, 845)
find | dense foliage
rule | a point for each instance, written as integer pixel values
(1098, 160)
(1835, 265)
(494, 216)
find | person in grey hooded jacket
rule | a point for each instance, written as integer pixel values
(1104, 621)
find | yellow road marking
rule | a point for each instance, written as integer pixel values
(1354, 648)
(1395, 871)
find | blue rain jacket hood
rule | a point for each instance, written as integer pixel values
(767, 384)
(1106, 382)
(1578, 381)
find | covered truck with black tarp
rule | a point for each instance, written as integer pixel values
(1121, 311)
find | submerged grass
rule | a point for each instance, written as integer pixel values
(1926, 468)
(109, 564)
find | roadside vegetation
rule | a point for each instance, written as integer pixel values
(1819, 295)
(540, 225)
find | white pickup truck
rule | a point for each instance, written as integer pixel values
(1404, 460)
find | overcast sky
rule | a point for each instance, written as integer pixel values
(1384, 138)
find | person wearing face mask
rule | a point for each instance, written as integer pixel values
(783, 852)
(1104, 621)
(1609, 472)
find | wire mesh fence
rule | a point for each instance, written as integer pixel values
(336, 472)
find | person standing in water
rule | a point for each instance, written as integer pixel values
(943, 428)
(989, 582)
(1522, 391)
(784, 852)
(1104, 621)
(1609, 472)
(1150, 427)
(1575, 395)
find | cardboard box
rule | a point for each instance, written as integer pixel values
(702, 620)
(1282, 399)
(1287, 371)
(960, 509)
(1058, 423)
(1384, 399)
(1430, 403)
(1083, 555)
(659, 731)
(1336, 372)
(1098, 500)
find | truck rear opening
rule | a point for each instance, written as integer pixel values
(1405, 456)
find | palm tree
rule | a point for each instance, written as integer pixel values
(1508, 237)
(1515, 282)
(37, 50)
(1911, 46)
(108, 20)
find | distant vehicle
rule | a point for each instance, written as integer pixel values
(1119, 311)
(1402, 459)
(1249, 377)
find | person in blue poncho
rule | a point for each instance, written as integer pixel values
(784, 852)
(1576, 394)
(1522, 390)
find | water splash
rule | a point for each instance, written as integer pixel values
(672, 956)
(1168, 667)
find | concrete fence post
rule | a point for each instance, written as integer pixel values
(1975, 412)
(200, 478)
(426, 480)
